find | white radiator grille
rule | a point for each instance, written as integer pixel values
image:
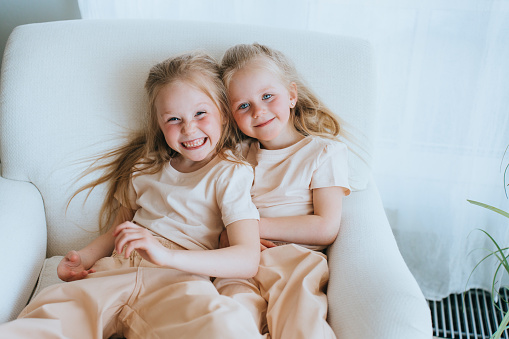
(468, 316)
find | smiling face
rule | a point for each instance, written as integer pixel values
(190, 122)
(261, 104)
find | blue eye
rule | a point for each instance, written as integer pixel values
(266, 96)
(200, 113)
(173, 120)
(244, 106)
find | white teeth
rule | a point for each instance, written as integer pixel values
(194, 143)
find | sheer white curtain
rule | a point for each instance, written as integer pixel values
(443, 111)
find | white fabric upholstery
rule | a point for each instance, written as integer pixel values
(22, 244)
(74, 86)
(368, 280)
(48, 274)
(72, 89)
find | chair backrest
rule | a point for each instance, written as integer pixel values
(71, 89)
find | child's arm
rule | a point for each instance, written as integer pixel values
(223, 242)
(321, 228)
(240, 260)
(76, 264)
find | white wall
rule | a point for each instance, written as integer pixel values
(18, 12)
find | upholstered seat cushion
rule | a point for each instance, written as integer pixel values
(48, 274)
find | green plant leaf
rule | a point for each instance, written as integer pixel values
(502, 258)
(483, 259)
(494, 209)
(505, 171)
(505, 182)
(501, 327)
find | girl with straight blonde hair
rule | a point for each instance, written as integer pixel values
(301, 177)
(172, 189)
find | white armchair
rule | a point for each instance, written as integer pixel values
(72, 89)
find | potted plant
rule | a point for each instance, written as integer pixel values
(499, 253)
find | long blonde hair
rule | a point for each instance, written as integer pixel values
(309, 116)
(146, 151)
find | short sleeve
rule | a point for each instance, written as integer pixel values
(233, 194)
(332, 167)
(131, 196)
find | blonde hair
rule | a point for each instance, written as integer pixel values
(309, 116)
(146, 151)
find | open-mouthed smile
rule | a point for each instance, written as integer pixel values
(194, 143)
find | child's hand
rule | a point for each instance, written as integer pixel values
(71, 267)
(130, 237)
(264, 244)
(223, 240)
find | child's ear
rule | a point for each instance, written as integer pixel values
(294, 94)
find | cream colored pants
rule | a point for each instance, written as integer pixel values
(287, 296)
(134, 299)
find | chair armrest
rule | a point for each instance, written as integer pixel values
(371, 292)
(22, 244)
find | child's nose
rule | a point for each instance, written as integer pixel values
(189, 128)
(258, 111)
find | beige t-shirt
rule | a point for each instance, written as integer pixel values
(192, 209)
(285, 178)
